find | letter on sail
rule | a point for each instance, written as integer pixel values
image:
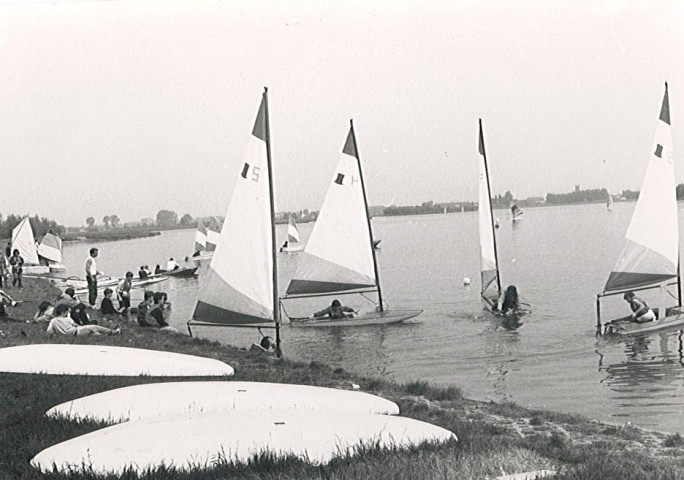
(651, 253)
(338, 255)
(239, 284)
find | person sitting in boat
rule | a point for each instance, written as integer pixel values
(285, 245)
(641, 312)
(508, 302)
(172, 265)
(142, 273)
(336, 310)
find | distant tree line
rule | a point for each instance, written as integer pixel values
(39, 225)
(578, 196)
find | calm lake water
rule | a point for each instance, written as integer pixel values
(559, 257)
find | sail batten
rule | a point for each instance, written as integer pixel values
(489, 265)
(339, 249)
(650, 255)
(238, 288)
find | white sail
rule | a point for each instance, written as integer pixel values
(338, 255)
(200, 236)
(24, 241)
(50, 248)
(651, 252)
(489, 268)
(213, 233)
(238, 288)
(609, 203)
(515, 211)
(292, 231)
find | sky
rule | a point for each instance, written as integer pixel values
(130, 107)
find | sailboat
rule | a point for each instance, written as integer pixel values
(206, 239)
(609, 203)
(515, 211)
(650, 256)
(490, 290)
(50, 248)
(341, 260)
(292, 245)
(241, 285)
(24, 241)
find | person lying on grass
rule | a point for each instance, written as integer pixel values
(65, 325)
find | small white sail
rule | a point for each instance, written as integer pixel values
(292, 231)
(213, 233)
(609, 203)
(515, 211)
(651, 252)
(338, 255)
(50, 248)
(238, 288)
(200, 236)
(24, 241)
(489, 268)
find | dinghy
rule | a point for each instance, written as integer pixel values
(650, 256)
(292, 245)
(515, 211)
(24, 241)
(240, 288)
(337, 260)
(50, 249)
(490, 277)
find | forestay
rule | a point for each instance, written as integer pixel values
(489, 268)
(24, 241)
(338, 255)
(239, 284)
(651, 255)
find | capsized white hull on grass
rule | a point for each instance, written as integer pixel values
(199, 440)
(142, 401)
(68, 359)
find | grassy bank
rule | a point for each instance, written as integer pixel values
(493, 438)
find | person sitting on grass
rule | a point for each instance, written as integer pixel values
(158, 311)
(6, 300)
(45, 312)
(143, 307)
(65, 325)
(107, 306)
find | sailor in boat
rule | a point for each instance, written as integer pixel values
(508, 302)
(285, 245)
(641, 312)
(172, 265)
(336, 310)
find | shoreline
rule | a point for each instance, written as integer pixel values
(494, 439)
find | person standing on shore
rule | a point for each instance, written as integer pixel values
(17, 263)
(124, 293)
(92, 272)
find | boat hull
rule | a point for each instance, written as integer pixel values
(181, 272)
(371, 318)
(626, 326)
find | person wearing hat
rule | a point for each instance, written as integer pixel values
(92, 272)
(641, 312)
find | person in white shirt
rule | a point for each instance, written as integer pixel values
(172, 265)
(92, 272)
(65, 325)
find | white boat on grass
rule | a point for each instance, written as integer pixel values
(339, 261)
(650, 257)
(50, 249)
(240, 288)
(24, 241)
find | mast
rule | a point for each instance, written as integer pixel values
(491, 214)
(276, 305)
(368, 221)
